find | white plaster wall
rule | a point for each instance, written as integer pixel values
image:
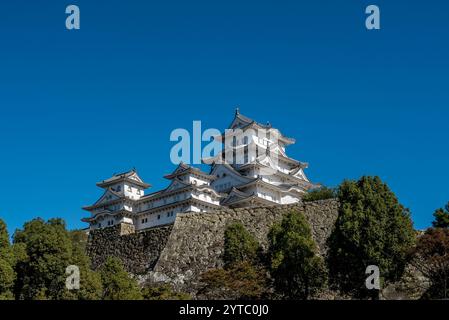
(132, 191)
(226, 182)
(194, 209)
(268, 194)
(160, 201)
(127, 220)
(207, 198)
(197, 180)
(157, 218)
(287, 199)
(104, 222)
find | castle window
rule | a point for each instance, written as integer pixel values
(99, 225)
(119, 188)
(158, 216)
(170, 214)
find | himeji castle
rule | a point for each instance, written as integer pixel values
(252, 169)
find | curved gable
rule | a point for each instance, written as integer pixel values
(175, 185)
(107, 197)
(227, 177)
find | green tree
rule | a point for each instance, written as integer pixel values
(43, 251)
(297, 270)
(372, 228)
(41, 273)
(7, 261)
(4, 239)
(441, 217)
(242, 280)
(6, 251)
(322, 193)
(7, 277)
(243, 276)
(117, 284)
(239, 245)
(90, 281)
(163, 292)
(431, 258)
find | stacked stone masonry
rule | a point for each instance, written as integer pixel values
(180, 252)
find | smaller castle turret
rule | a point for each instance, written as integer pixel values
(118, 202)
(124, 201)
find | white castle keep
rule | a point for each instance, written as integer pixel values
(252, 170)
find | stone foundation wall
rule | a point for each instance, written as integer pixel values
(197, 239)
(179, 253)
(139, 251)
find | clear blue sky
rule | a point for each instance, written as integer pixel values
(77, 106)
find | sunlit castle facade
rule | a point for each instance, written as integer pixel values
(124, 199)
(252, 169)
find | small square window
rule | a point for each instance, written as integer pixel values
(158, 216)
